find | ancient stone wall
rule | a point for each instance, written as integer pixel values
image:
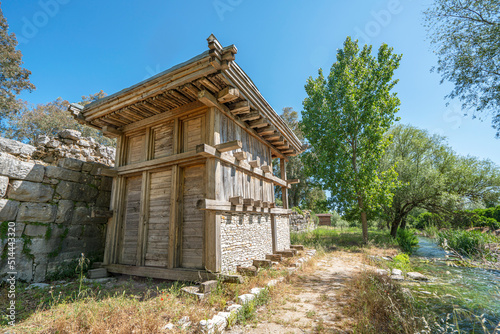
(301, 222)
(282, 232)
(54, 201)
(244, 237)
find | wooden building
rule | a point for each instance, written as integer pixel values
(193, 189)
(325, 219)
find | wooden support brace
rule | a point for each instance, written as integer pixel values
(254, 163)
(229, 146)
(107, 172)
(248, 201)
(266, 169)
(257, 203)
(239, 108)
(206, 150)
(238, 200)
(293, 181)
(283, 147)
(272, 137)
(250, 117)
(266, 130)
(240, 155)
(265, 204)
(228, 94)
(109, 131)
(259, 123)
(272, 205)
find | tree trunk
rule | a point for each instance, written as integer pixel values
(364, 226)
(403, 223)
(395, 225)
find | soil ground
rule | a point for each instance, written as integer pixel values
(313, 301)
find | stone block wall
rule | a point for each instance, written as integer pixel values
(301, 222)
(282, 232)
(244, 237)
(57, 210)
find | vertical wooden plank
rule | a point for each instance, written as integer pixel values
(143, 218)
(176, 137)
(173, 236)
(114, 222)
(217, 126)
(212, 246)
(284, 190)
(210, 126)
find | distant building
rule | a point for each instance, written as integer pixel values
(325, 219)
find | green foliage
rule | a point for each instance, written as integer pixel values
(467, 243)
(49, 119)
(247, 312)
(344, 119)
(433, 177)
(401, 262)
(297, 210)
(463, 219)
(13, 78)
(407, 240)
(465, 35)
(427, 219)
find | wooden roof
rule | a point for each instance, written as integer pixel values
(212, 78)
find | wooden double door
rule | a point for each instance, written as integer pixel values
(160, 224)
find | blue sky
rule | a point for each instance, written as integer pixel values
(76, 48)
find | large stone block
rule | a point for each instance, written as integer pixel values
(106, 183)
(76, 191)
(70, 134)
(103, 199)
(27, 191)
(64, 211)
(16, 148)
(20, 170)
(70, 163)
(35, 230)
(37, 212)
(8, 210)
(63, 174)
(4, 184)
(81, 215)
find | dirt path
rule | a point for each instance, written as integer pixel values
(312, 302)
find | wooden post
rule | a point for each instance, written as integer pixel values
(173, 232)
(284, 190)
(274, 234)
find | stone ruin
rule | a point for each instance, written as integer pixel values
(56, 201)
(301, 222)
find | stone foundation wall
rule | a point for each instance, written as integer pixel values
(301, 222)
(244, 237)
(283, 232)
(56, 211)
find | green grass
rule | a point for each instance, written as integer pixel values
(469, 243)
(327, 237)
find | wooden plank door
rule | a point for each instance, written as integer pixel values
(193, 189)
(158, 219)
(130, 223)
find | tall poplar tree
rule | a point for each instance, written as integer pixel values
(344, 120)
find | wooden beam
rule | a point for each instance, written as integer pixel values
(160, 162)
(111, 172)
(209, 100)
(238, 200)
(229, 146)
(257, 203)
(214, 205)
(266, 130)
(284, 190)
(272, 137)
(293, 181)
(206, 150)
(109, 131)
(259, 123)
(267, 169)
(250, 117)
(173, 229)
(228, 94)
(239, 108)
(248, 201)
(240, 155)
(162, 273)
(95, 213)
(254, 163)
(283, 147)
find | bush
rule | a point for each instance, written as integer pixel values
(401, 261)
(407, 240)
(467, 243)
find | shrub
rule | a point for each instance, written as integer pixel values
(407, 240)
(401, 261)
(467, 243)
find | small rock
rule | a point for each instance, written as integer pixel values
(100, 280)
(382, 272)
(234, 308)
(417, 276)
(243, 299)
(169, 326)
(397, 272)
(397, 277)
(37, 285)
(425, 292)
(272, 282)
(386, 258)
(256, 291)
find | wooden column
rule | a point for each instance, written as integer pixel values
(274, 233)
(284, 190)
(174, 231)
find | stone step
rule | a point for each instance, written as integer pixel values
(236, 279)
(208, 286)
(262, 263)
(293, 250)
(273, 257)
(97, 273)
(285, 253)
(297, 247)
(248, 271)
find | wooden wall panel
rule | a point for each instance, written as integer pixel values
(131, 216)
(192, 133)
(158, 219)
(135, 149)
(163, 140)
(192, 218)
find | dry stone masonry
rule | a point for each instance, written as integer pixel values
(55, 198)
(301, 222)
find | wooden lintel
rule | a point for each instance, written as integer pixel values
(293, 181)
(111, 172)
(228, 94)
(229, 146)
(240, 155)
(109, 131)
(237, 200)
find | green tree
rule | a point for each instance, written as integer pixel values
(13, 78)
(344, 119)
(466, 38)
(433, 177)
(306, 193)
(49, 119)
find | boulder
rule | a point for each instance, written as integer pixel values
(70, 163)
(27, 191)
(4, 183)
(397, 272)
(70, 134)
(42, 140)
(16, 148)
(76, 191)
(35, 230)
(64, 211)
(20, 170)
(62, 174)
